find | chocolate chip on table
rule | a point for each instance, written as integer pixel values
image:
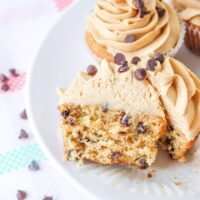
(116, 155)
(129, 38)
(141, 128)
(65, 113)
(91, 70)
(135, 60)
(159, 57)
(23, 134)
(125, 120)
(160, 11)
(48, 198)
(105, 108)
(13, 72)
(140, 74)
(170, 128)
(23, 114)
(3, 78)
(139, 4)
(143, 163)
(151, 65)
(119, 59)
(5, 87)
(124, 67)
(33, 166)
(21, 195)
(143, 12)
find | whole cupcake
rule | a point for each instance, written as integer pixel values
(133, 28)
(190, 13)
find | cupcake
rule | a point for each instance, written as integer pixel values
(133, 28)
(190, 13)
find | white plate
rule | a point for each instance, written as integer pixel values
(61, 56)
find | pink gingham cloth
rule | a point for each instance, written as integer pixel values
(24, 24)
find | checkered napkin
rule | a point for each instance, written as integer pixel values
(23, 24)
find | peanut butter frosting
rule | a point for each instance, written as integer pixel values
(189, 10)
(114, 20)
(117, 90)
(180, 92)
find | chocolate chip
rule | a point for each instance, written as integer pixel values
(168, 141)
(23, 114)
(124, 67)
(139, 4)
(129, 38)
(71, 121)
(13, 72)
(143, 163)
(48, 198)
(119, 59)
(21, 195)
(159, 57)
(140, 74)
(160, 11)
(33, 166)
(170, 128)
(125, 120)
(91, 70)
(65, 113)
(116, 155)
(105, 108)
(151, 64)
(140, 128)
(143, 12)
(23, 134)
(3, 78)
(5, 87)
(135, 60)
(123, 133)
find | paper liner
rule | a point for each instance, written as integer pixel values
(192, 38)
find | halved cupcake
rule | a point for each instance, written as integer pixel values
(112, 115)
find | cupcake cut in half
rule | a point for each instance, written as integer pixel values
(132, 27)
(112, 115)
(179, 89)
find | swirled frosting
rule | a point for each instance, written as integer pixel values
(180, 92)
(113, 20)
(189, 10)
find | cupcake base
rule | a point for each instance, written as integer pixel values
(192, 38)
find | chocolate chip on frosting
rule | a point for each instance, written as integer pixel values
(23, 134)
(91, 70)
(21, 195)
(3, 78)
(125, 120)
(129, 38)
(135, 60)
(33, 166)
(119, 59)
(140, 128)
(124, 67)
(48, 198)
(139, 4)
(160, 11)
(151, 64)
(140, 74)
(143, 12)
(159, 57)
(13, 72)
(5, 87)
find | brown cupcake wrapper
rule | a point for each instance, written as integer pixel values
(192, 38)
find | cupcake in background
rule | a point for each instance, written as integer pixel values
(133, 28)
(190, 13)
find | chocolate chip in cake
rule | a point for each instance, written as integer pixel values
(65, 113)
(115, 156)
(105, 108)
(23, 114)
(151, 65)
(21, 195)
(135, 60)
(71, 121)
(124, 67)
(129, 38)
(170, 128)
(141, 128)
(140, 74)
(48, 198)
(119, 59)
(33, 166)
(159, 57)
(23, 134)
(139, 4)
(13, 72)
(160, 11)
(143, 163)
(143, 12)
(3, 78)
(5, 87)
(91, 70)
(126, 120)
